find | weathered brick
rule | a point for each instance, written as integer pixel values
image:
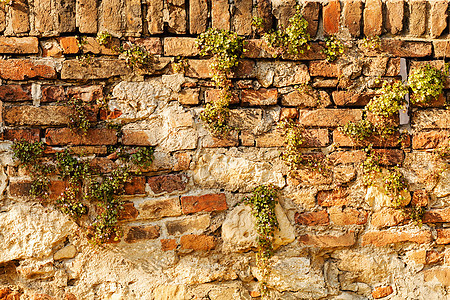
(288, 113)
(22, 69)
(93, 136)
(138, 138)
(386, 237)
(417, 17)
(180, 46)
(438, 17)
(242, 17)
(91, 45)
(15, 92)
(312, 218)
(133, 16)
(189, 96)
(431, 119)
(311, 11)
(347, 216)
(439, 102)
(168, 244)
(331, 13)
(373, 18)
(2, 17)
(213, 95)
(189, 224)
(52, 94)
(328, 241)
(351, 98)
(231, 140)
(443, 236)
(19, 188)
(98, 69)
(352, 16)
(388, 217)
(18, 134)
(390, 141)
(19, 20)
(16, 45)
(401, 48)
(310, 98)
(394, 16)
(197, 242)
(198, 16)
(208, 202)
(86, 16)
(159, 208)
(430, 139)
(439, 274)
(182, 161)
(139, 233)
(329, 117)
(441, 215)
(167, 183)
(389, 157)
(110, 18)
(324, 68)
(69, 44)
(220, 14)
(338, 197)
(259, 97)
(199, 68)
(312, 138)
(441, 48)
(65, 15)
(177, 16)
(420, 198)
(135, 186)
(128, 212)
(382, 291)
(283, 11)
(44, 21)
(155, 16)
(346, 157)
(36, 116)
(86, 93)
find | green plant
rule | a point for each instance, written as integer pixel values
(79, 119)
(426, 83)
(293, 40)
(263, 201)
(226, 48)
(28, 153)
(333, 48)
(390, 99)
(86, 59)
(140, 156)
(136, 56)
(103, 37)
(358, 130)
(180, 65)
(372, 43)
(395, 185)
(371, 167)
(258, 22)
(70, 204)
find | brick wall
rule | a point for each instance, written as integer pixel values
(339, 239)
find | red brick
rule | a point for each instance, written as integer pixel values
(336, 197)
(15, 92)
(352, 13)
(102, 165)
(382, 291)
(128, 212)
(167, 183)
(16, 45)
(328, 241)
(53, 94)
(443, 236)
(69, 44)
(70, 296)
(347, 157)
(347, 216)
(388, 217)
(139, 233)
(168, 244)
(136, 186)
(136, 138)
(37, 116)
(420, 198)
(386, 237)
(87, 93)
(312, 218)
(324, 68)
(438, 102)
(437, 216)
(189, 96)
(351, 98)
(311, 11)
(17, 134)
(430, 140)
(329, 117)
(197, 242)
(22, 69)
(209, 202)
(94, 136)
(20, 188)
(331, 15)
(373, 18)
(389, 157)
(259, 97)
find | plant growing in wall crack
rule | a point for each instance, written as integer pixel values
(263, 201)
(426, 83)
(226, 48)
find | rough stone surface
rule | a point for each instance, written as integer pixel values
(394, 16)
(417, 17)
(373, 18)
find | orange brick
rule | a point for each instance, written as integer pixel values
(197, 242)
(382, 291)
(328, 241)
(209, 202)
(336, 197)
(22, 69)
(168, 244)
(259, 97)
(312, 218)
(385, 237)
(69, 44)
(128, 211)
(93, 136)
(437, 216)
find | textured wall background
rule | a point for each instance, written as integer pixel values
(183, 237)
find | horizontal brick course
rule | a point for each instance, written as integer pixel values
(209, 202)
